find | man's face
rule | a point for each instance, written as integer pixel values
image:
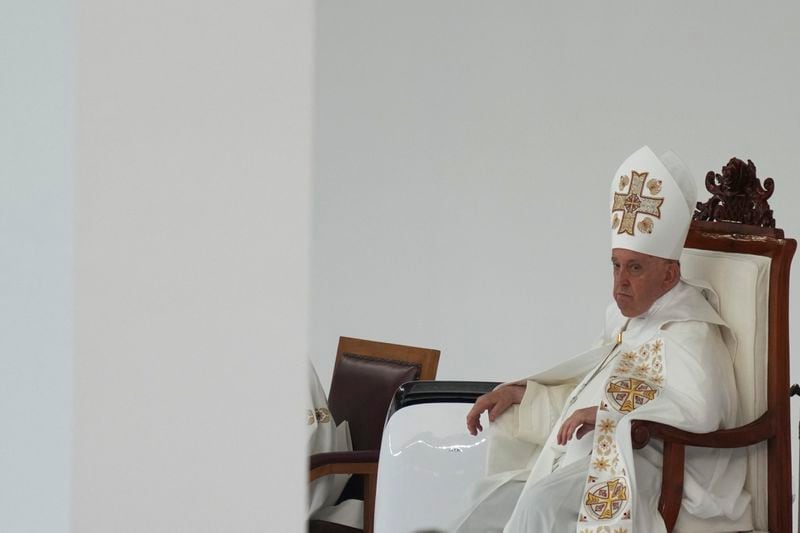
(640, 280)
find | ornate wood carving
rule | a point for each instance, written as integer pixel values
(737, 196)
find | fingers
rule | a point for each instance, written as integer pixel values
(499, 407)
(496, 402)
(474, 415)
(473, 420)
(588, 419)
(583, 430)
(581, 420)
(563, 431)
(474, 425)
(566, 430)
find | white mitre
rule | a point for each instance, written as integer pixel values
(652, 201)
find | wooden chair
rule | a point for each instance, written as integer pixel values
(365, 377)
(733, 244)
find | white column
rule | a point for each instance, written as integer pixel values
(36, 141)
(193, 183)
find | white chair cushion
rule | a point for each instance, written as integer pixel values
(742, 283)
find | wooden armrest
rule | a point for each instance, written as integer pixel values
(364, 462)
(754, 432)
(675, 442)
(358, 462)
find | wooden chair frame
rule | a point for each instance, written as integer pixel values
(774, 425)
(365, 462)
(426, 358)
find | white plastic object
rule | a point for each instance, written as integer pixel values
(428, 463)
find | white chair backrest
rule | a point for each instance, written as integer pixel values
(741, 282)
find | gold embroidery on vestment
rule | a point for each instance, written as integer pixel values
(600, 464)
(605, 500)
(604, 445)
(323, 415)
(635, 203)
(645, 225)
(657, 345)
(629, 394)
(606, 425)
(654, 186)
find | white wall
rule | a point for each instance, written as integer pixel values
(463, 152)
(36, 146)
(191, 265)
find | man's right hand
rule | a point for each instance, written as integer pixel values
(496, 402)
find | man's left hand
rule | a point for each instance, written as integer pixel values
(582, 419)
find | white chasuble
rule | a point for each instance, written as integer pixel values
(672, 366)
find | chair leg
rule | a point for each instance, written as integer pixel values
(671, 484)
(370, 489)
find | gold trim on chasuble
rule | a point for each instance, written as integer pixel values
(636, 380)
(604, 529)
(321, 415)
(625, 395)
(605, 500)
(634, 203)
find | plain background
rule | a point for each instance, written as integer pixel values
(464, 154)
(168, 264)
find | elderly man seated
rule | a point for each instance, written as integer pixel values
(560, 455)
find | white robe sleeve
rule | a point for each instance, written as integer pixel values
(540, 409)
(518, 434)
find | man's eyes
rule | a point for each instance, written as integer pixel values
(635, 268)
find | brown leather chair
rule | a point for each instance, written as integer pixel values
(365, 378)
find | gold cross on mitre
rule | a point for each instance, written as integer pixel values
(627, 391)
(634, 202)
(607, 499)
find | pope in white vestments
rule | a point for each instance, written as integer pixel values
(560, 456)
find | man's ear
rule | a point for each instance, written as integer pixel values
(672, 274)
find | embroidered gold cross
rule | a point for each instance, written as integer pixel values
(615, 492)
(629, 390)
(635, 203)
